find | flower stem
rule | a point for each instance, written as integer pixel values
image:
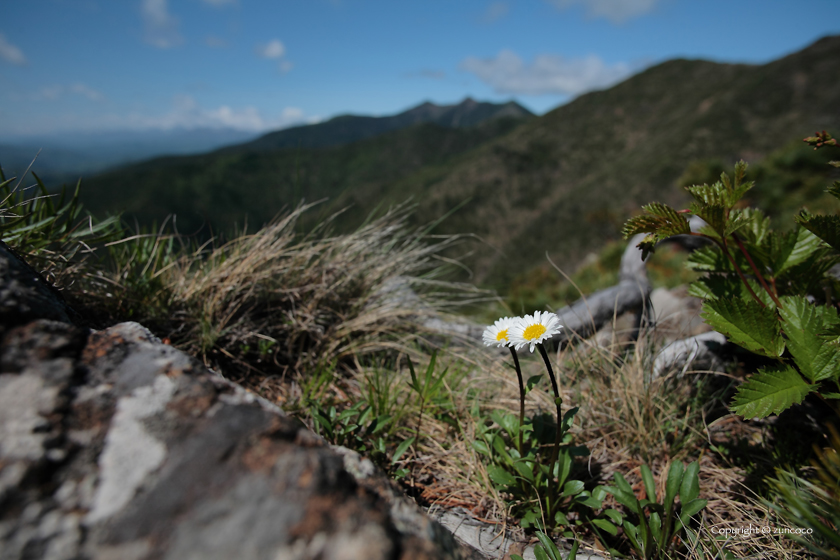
(558, 436)
(521, 396)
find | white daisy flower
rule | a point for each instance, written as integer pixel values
(497, 334)
(533, 329)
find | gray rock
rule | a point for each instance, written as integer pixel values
(26, 296)
(114, 445)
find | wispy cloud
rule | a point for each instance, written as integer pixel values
(161, 27)
(617, 11)
(10, 53)
(507, 73)
(55, 92)
(272, 49)
(275, 50)
(494, 12)
(187, 113)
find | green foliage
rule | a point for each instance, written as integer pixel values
(813, 505)
(547, 550)
(529, 479)
(765, 290)
(770, 391)
(660, 525)
(54, 231)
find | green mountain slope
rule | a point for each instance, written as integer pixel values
(225, 188)
(561, 183)
(565, 182)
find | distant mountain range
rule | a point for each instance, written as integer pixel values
(66, 157)
(345, 129)
(560, 184)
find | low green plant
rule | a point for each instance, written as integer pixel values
(766, 291)
(813, 505)
(50, 228)
(547, 550)
(661, 526)
(356, 428)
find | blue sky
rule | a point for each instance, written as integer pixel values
(92, 65)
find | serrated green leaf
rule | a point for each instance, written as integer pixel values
(737, 219)
(758, 225)
(715, 194)
(804, 325)
(747, 324)
(770, 391)
(826, 228)
(640, 224)
(720, 286)
(714, 214)
(709, 259)
(671, 222)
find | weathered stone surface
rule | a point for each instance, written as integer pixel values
(25, 296)
(114, 445)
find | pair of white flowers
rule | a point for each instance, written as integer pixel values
(522, 331)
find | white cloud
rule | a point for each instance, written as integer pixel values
(187, 113)
(507, 73)
(272, 49)
(494, 12)
(55, 92)
(161, 26)
(617, 11)
(91, 94)
(11, 53)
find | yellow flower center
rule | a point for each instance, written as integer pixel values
(502, 335)
(533, 332)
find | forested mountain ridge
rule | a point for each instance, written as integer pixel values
(561, 183)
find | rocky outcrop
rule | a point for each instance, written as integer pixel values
(115, 445)
(26, 296)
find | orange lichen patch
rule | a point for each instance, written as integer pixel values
(261, 455)
(99, 345)
(331, 511)
(196, 401)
